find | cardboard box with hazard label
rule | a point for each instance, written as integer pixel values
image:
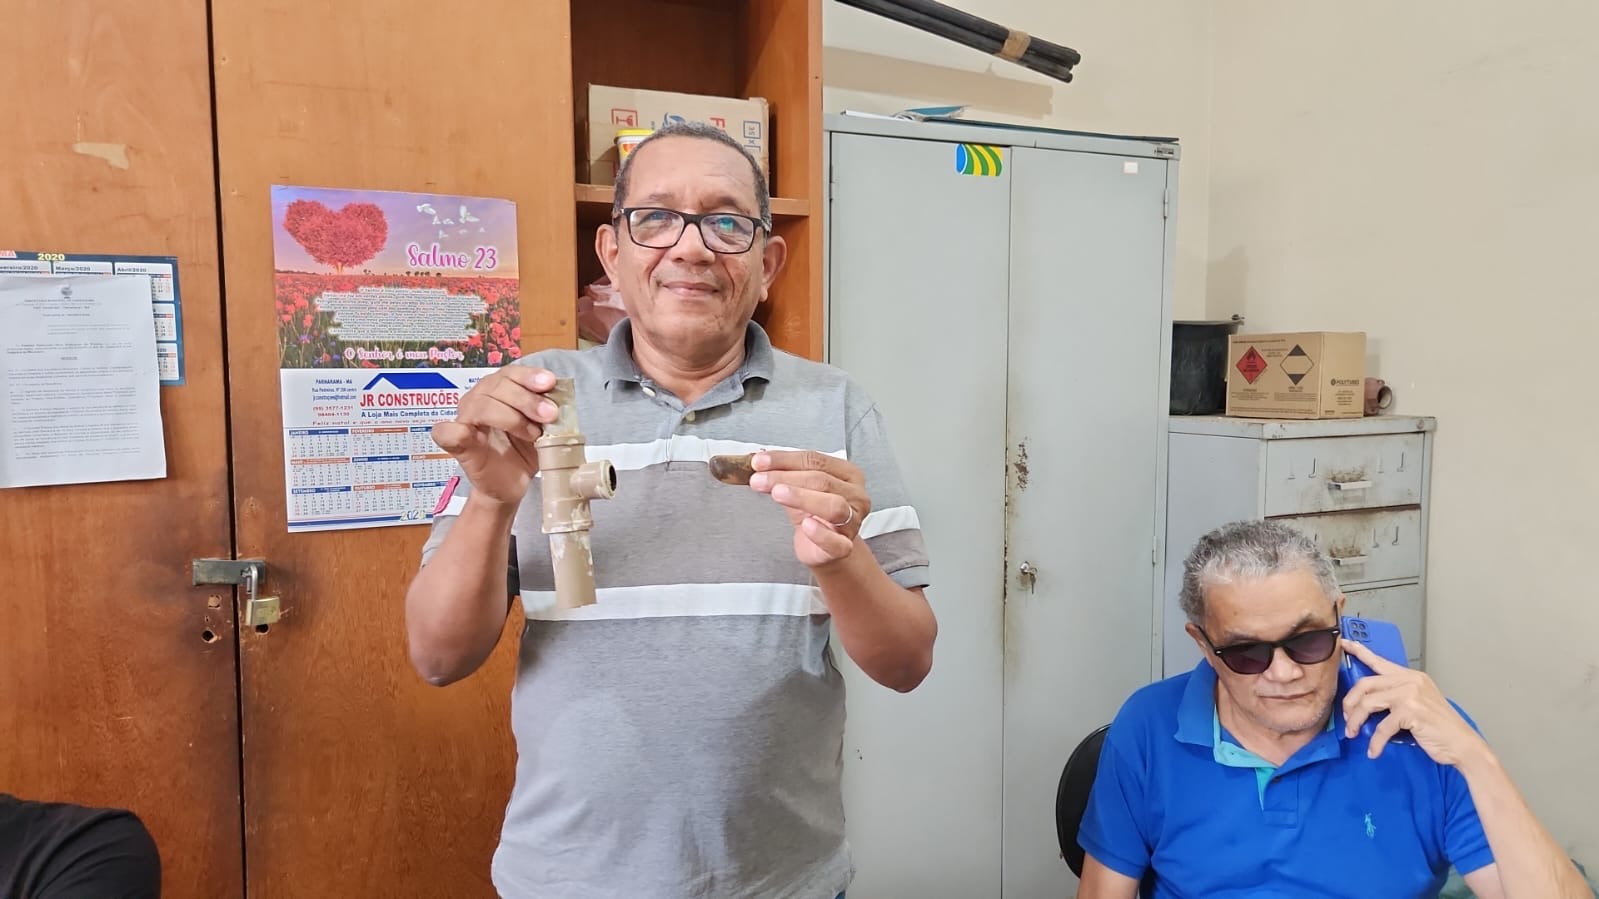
(1306, 374)
(611, 109)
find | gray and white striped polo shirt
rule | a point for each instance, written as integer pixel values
(683, 736)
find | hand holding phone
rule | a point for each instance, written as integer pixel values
(1384, 639)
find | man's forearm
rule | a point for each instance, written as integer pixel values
(887, 629)
(456, 607)
(1531, 864)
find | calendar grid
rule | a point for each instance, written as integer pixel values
(341, 474)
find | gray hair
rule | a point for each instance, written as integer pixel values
(1249, 550)
(701, 131)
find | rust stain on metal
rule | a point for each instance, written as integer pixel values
(1021, 465)
(733, 469)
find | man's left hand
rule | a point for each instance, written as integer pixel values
(825, 498)
(1413, 703)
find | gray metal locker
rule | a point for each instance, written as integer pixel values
(1005, 295)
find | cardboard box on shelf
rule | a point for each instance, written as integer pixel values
(1301, 375)
(611, 109)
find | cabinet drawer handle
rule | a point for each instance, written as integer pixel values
(1348, 560)
(1348, 485)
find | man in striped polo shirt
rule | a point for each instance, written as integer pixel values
(682, 736)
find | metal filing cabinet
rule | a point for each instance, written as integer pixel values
(1359, 487)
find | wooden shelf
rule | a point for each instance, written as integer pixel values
(594, 205)
(776, 53)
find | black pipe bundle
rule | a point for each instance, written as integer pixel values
(980, 34)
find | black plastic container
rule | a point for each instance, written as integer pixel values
(1199, 365)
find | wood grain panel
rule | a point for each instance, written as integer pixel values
(783, 63)
(117, 677)
(361, 780)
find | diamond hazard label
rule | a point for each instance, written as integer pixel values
(1297, 364)
(1251, 365)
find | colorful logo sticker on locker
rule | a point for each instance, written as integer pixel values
(979, 159)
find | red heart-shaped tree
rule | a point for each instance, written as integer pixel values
(348, 237)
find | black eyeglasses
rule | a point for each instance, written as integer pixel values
(661, 229)
(1306, 648)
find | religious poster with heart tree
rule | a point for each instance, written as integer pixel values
(388, 307)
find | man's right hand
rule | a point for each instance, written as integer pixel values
(494, 429)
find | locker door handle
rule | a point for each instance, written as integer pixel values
(1348, 485)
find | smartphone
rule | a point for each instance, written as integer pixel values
(1384, 639)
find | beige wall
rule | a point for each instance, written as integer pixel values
(1145, 70)
(1425, 172)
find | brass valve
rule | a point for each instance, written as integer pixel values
(570, 481)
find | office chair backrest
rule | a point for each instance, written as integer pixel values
(1071, 797)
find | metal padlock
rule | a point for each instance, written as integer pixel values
(259, 610)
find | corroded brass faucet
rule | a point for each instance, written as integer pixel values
(570, 483)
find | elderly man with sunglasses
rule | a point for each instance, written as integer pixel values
(1249, 775)
(683, 735)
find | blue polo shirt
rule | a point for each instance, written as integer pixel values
(1179, 805)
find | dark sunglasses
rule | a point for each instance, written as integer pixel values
(1307, 648)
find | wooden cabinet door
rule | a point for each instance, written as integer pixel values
(118, 679)
(359, 778)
